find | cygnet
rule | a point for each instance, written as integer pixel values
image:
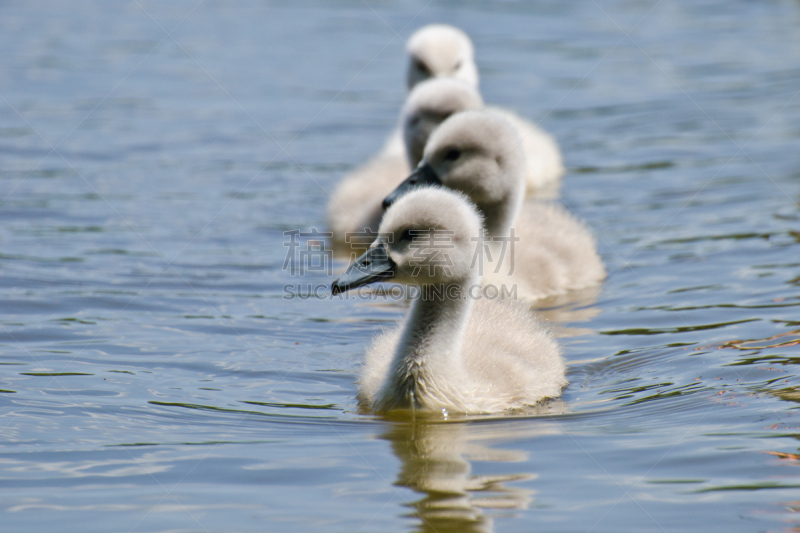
(436, 50)
(478, 153)
(432, 101)
(453, 352)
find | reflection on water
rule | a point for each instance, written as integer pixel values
(565, 313)
(436, 462)
(439, 459)
(790, 338)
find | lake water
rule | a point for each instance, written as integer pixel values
(154, 377)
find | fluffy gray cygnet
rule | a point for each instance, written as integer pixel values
(452, 352)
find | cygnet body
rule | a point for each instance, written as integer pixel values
(478, 153)
(355, 205)
(432, 101)
(451, 352)
(434, 51)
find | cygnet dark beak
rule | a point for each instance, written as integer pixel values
(423, 176)
(374, 265)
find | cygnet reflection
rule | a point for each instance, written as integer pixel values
(436, 461)
(563, 313)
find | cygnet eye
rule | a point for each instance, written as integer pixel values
(422, 67)
(406, 236)
(452, 154)
(413, 121)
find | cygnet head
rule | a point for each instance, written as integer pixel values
(429, 104)
(479, 154)
(427, 237)
(440, 51)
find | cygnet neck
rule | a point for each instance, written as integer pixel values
(499, 216)
(431, 341)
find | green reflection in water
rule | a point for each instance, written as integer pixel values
(751, 487)
(201, 407)
(681, 329)
(58, 374)
(295, 405)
